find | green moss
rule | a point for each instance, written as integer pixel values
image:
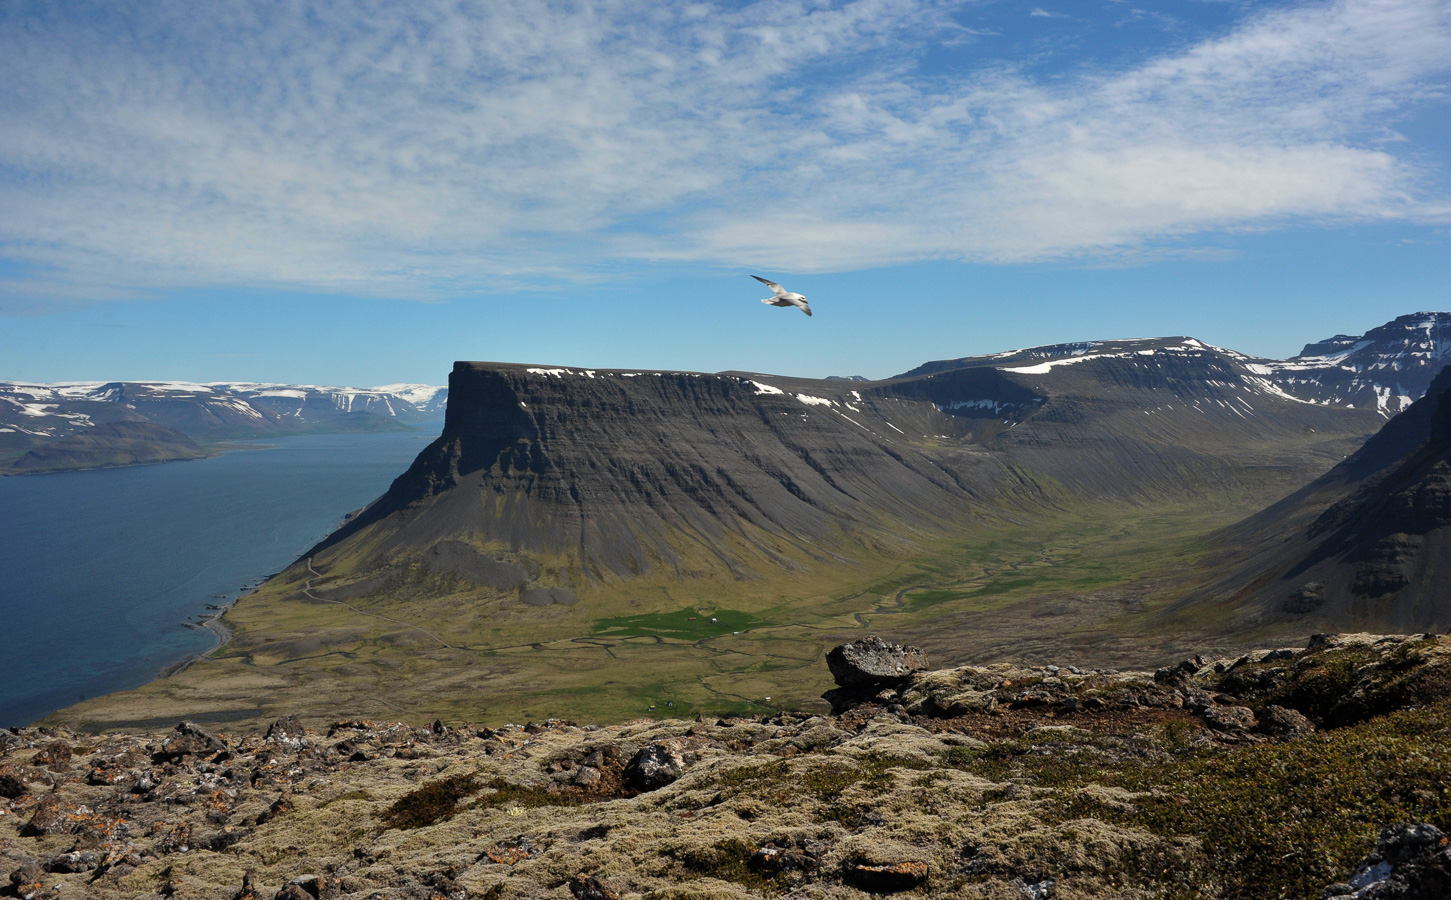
(1047, 759)
(728, 860)
(753, 778)
(432, 803)
(503, 794)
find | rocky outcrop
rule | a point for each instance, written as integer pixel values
(654, 767)
(1334, 681)
(873, 662)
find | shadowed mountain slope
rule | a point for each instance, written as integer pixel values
(1366, 542)
(1142, 420)
(1385, 369)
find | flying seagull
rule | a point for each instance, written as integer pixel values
(784, 297)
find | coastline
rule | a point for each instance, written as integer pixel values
(211, 622)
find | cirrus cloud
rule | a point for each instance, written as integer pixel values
(437, 148)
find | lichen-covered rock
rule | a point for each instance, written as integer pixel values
(188, 739)
(654, 767)
(873, 661)
(287, 732)
(1229, 718)
(27, 882)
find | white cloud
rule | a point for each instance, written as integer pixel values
(433, 148)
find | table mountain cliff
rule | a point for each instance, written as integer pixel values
(619, 472)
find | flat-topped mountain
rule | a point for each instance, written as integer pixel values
(622, 472)
(34, 415)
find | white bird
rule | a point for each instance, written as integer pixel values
(784, 297)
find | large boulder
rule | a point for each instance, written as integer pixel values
(654, 767)
(872, 661)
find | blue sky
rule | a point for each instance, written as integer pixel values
(362, 192)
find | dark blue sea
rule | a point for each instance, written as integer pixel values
(99, 569)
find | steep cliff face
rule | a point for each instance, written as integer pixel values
(623, 472)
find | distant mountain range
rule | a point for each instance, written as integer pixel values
(33, 416)
(1386, 369)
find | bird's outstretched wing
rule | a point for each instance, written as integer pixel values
(770, 284)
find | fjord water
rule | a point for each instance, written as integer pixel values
(99, 569)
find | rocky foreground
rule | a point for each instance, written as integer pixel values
(1310, 772)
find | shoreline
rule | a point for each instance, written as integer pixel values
(213, 623)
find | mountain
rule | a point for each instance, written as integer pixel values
(1365, 543)
(109, 445)
(32, 415)
(626, 472)
(1134, 419)
(1385, 369)
(620, 473)
(598, 542)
